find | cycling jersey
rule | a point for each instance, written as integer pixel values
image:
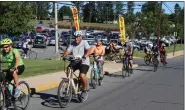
(128, 49)
(162, 49)
(10, 58)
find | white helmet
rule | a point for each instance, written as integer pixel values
(78, 33)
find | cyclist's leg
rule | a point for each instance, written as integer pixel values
(20, 70)
(83, 71)
(131, 61)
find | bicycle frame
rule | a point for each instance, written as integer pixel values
(70, 75)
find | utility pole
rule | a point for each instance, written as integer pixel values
(56, 29)
(159, 24)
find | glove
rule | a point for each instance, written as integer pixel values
(83, 57)
(64, 58)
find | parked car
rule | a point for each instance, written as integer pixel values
(52, 41)
(91, 42)
(40, 41)
(64, 38)
(17, 42)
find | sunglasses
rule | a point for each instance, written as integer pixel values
(5, 47)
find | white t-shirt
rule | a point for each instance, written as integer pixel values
(25, 45)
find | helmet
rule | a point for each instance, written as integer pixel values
(78, 33)
(6, 41)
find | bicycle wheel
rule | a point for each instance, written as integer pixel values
(155, 63)
(64, 93)
(24, 98)
(163, 60)
(2, 100)
(32, 55)
(146, 60)
(94, 79)
(123, 72)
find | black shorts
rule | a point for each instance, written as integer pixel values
(9, 75)
(83, 68)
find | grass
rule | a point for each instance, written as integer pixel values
(34, 22)
(141, 54)
(38, 67)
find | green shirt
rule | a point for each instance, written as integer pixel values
(10, 58)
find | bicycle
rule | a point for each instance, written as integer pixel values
(126, 69)
(155, 61)
(163, 59)
(95, 73)
(7, 90)
(71, 86)
(113, 56)
(148, 59)
(31, 54)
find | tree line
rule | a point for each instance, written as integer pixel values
(16, 15)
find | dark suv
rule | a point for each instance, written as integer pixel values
(40, 41)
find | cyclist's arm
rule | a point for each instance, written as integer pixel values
(131, 50)
(87, 48)
(16, 58)
(92, 49)
(103, 52)
(67, 52)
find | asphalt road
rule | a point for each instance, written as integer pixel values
(144, 90)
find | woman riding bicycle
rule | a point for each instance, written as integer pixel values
(99, 50)
(16, 67)
(163, 52)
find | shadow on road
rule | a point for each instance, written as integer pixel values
(161, 66)
(51, 101)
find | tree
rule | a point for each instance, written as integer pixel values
(118, 8)
(42, 9)
(15, 17)
(151, 6)
(64, 11)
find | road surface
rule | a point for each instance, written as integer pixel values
(144, 90)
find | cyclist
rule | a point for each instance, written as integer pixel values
(148, 50)
(163, 52)
(80, 48)
(16, 67)
(25, 48)
(128, 50)
(155, 50)
(99, 50)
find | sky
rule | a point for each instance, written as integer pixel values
(170, 4)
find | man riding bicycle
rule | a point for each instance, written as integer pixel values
(99, 50)
(16, 67)
(163, 52)
(148, 50)
(155, 50)
(80, 48)
(128, 50)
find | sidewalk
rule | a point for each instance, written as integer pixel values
(49, 81)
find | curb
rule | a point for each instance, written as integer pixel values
(56, 84)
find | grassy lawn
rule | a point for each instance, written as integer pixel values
(168, 49)
(38, 67)
(34, 22)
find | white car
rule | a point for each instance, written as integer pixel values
(52, 41)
